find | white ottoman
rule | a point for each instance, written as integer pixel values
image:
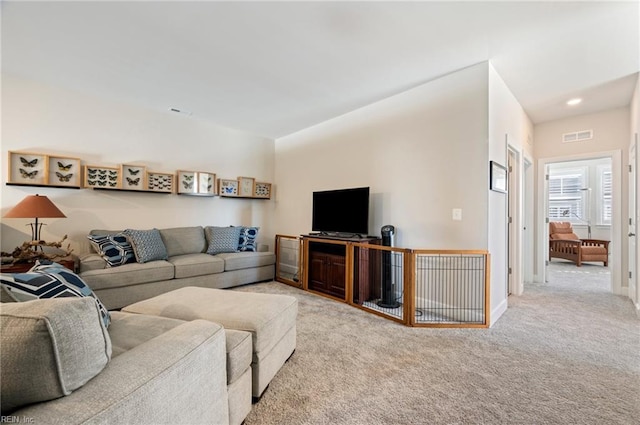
(271, 320)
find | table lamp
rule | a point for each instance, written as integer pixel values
(35, 206)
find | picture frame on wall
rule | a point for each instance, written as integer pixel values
(262, 190)
(246, 186)
(206, 183)
(133, 177)
(27, 168)
(187, 182)
(100, 177)
(497, 177)
(228, 187)
(64, 171)
(160, 182)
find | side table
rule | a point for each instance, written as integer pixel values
(68, 262)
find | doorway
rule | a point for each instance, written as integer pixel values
(583, 204)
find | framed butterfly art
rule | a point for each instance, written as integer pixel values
(100, 177)
(159, 182)
(27, 168)
(133, 177)
(64, 171)
(187, 182)
(206, 183)
(228, 188)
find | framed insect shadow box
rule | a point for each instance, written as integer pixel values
(64, 171)
(38, 169)
(159, 182)
(187, 183)
(133, 177)
(27, 168)
(199, 183)
(99, 177)
(228, 188)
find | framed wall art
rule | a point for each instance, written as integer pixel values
(160, 182)
(100, 177)
(497, 177)
(228, 187)
(245, 186)
(187, 182)
(133, 177)
(28, 168)
(64, 171)
(206, 183)
(262, 190)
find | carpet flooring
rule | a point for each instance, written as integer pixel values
(566, 352)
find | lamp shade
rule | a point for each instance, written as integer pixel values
(35, 206)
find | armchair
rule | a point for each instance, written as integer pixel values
(564, 243)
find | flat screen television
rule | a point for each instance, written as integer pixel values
(341, 211)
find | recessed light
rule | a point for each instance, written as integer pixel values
(574, 102)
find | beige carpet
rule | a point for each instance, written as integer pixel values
(567, 352)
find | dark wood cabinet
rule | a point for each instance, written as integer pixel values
(327, 266)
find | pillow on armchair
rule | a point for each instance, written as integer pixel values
(50, 347)
(562, 230)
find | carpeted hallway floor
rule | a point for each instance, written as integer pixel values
(566, 352)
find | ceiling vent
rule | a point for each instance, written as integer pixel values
(578, 136)
(180, 111)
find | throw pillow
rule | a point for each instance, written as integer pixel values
(247, 240)
(222, 239)
(115, 249)
(147, 245)
(49, 280)
(49, 349)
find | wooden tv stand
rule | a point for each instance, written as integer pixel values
(325, 263)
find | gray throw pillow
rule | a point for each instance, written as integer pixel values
(222, 239)
(50, 348)
(147, 245)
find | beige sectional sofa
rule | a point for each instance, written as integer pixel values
(163, 363)
(61, 366)
(188, 264)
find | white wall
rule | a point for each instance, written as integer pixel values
(610, 135)
(510, 127)
(51, 120)
(422, 153)
(634, 130)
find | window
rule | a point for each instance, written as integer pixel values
(605, 184)
(581, 192)
(566, 202)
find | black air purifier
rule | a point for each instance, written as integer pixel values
(388, 288)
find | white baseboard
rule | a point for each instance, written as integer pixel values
(498, 311)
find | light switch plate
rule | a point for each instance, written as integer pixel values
(457, 214)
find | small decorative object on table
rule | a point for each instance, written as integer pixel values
(31, 251)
